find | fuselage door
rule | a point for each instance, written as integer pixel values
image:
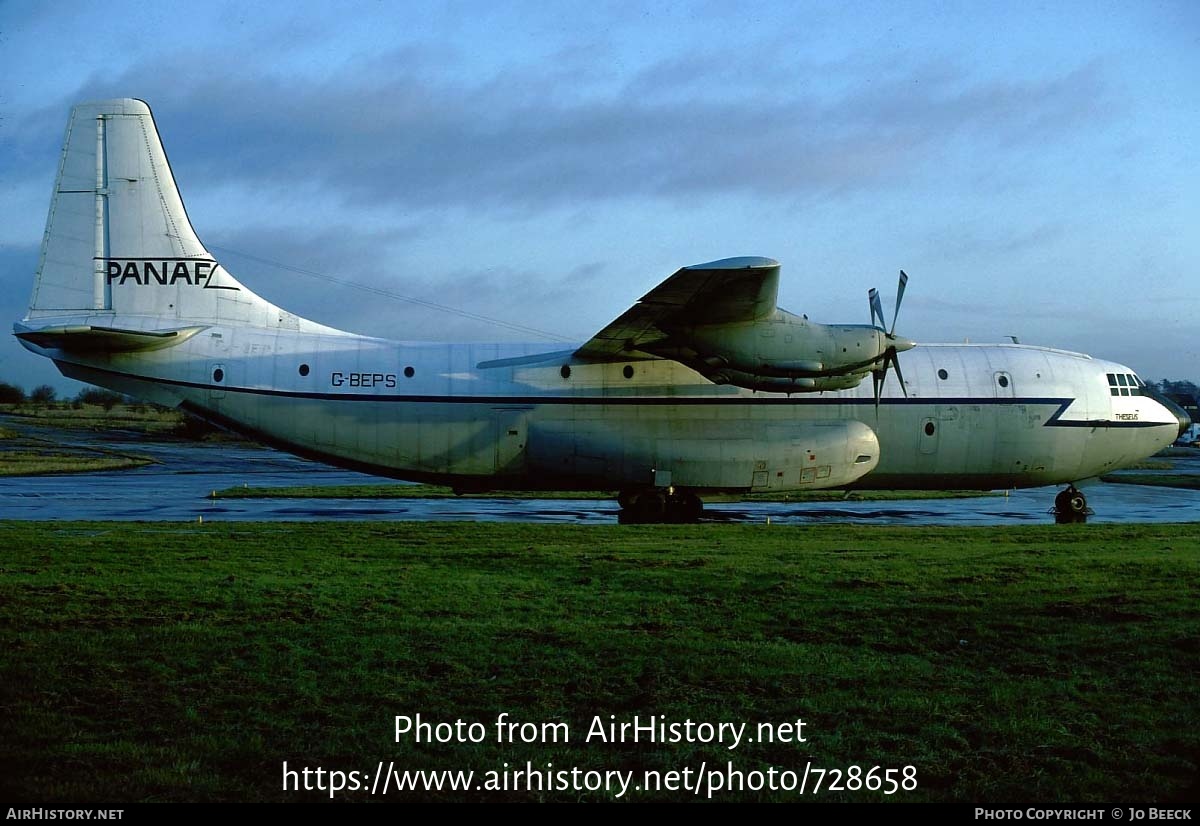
(511, 437)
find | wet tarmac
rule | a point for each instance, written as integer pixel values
(178, 487)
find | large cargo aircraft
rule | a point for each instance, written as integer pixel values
(704, 385)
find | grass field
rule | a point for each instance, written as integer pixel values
(1189, 481)
(148, 420)
(182, 662)
(22, 455)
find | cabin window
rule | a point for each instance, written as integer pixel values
(304, 369)
(565, 371)
(409, 372)
(218, 375)
(929, 428)
(628, 371)
(943, 375)
(1002, 381)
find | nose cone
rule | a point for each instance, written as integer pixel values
(1181, 415)
(863, 451)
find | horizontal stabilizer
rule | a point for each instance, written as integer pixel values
(85, 338)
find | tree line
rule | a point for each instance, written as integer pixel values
(1177, 388)
(45, 394)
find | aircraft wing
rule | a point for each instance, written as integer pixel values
(729, 290)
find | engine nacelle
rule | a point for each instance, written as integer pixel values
(785, 353)
(772, 384)
(735, 456)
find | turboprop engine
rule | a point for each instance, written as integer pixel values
(787, 353)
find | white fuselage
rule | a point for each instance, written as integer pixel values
(1002, 415)
(126, 296)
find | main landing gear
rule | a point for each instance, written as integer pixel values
(645, 506)
(1070, 506)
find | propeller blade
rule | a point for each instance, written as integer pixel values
(899, 375)
(899, 298)
(876, 306)
(877, 379)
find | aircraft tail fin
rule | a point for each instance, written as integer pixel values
(118, 239)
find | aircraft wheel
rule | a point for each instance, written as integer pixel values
(1070, 505)
(687, 507)
(1070, 501)
(683, 508)
(651, 506)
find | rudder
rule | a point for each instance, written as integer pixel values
(118, 239)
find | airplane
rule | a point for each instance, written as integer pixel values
(703, 386)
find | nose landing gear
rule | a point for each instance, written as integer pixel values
(1070, 506)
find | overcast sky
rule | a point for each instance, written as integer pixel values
(1033, 167)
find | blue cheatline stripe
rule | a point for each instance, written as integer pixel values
(1055, 419)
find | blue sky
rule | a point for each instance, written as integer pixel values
(1033, 167)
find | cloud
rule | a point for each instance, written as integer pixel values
(403, 130)
(17, 365)
(364, 282)
(995, 243)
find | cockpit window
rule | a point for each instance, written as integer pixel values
(1124, 384)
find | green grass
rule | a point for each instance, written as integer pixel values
(24, 455)
(148, 420)
(145, 418)
(1151, 464)
(1163, 480)
(39, 462)
(439, 492)
(184, 662)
